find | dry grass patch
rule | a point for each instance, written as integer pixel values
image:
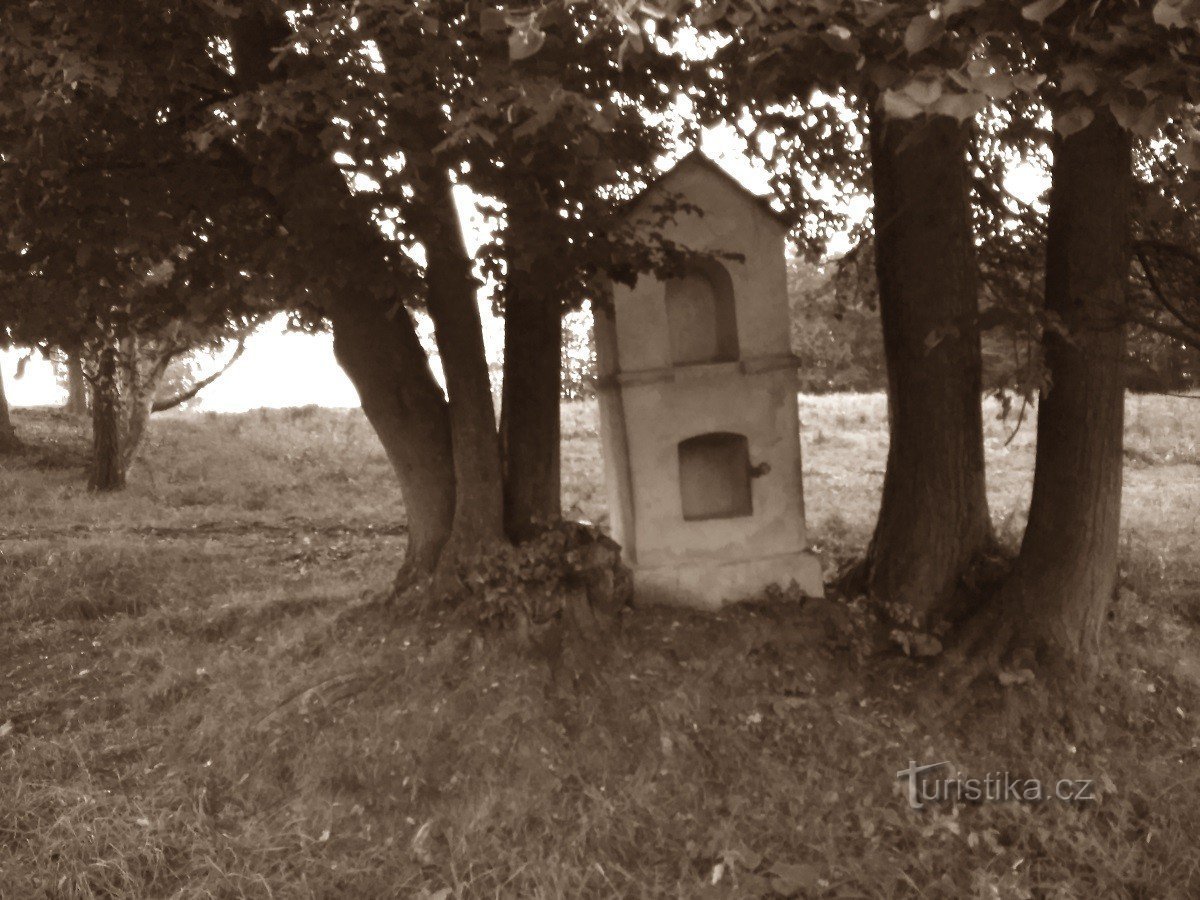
(201, 699)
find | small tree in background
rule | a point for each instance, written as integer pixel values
(71, 378)
(124, 243)
(8, 435)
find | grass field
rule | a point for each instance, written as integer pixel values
(200, 698)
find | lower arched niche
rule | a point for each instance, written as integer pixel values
(714, 476)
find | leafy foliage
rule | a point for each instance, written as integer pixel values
(570, 569)
(578, 358)
(835, 330)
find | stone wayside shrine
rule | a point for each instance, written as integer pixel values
(699, 419)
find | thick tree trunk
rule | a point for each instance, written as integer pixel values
(401, 400)
(77, 394)
(1057, 595)
(933, 522)
(8, 435)
(530, 407)
(454, 308)
(108, 451)
(446, 455)
(379, 350)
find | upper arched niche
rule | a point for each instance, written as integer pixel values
(701, 316)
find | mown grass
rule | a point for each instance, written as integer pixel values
(200, 697)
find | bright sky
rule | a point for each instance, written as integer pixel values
(282, 368)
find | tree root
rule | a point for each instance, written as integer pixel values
(1008, 639)
(854, 579)
(980, 646)
(970, 595)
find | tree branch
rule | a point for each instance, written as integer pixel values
(185, 396)
(1158, 292)
(1168, 247)
(1182, 335)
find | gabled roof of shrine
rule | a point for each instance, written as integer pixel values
(698, 157)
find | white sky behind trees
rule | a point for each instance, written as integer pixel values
(282, 368)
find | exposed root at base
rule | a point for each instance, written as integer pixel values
(1008, 639)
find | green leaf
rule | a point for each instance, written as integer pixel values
(998, 86)
(840, 40)
(1141, 119)
(525, 40)
(960, 106)
(1079, 77)
(1169, 14)
(1041, 10)
(954, 7)
(1073, 120)
(899, 105)
(924, 93)
(1028, 82)
(922, 32)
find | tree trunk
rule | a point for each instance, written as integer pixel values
(379, 350)
(530, 407)
(108, 453)
(446, 455)
(137, 416)
(77, 401)
(8, 435)
(129, 372)
(454, 308)
(933, 521)
(402, 402)
(1057, 594)
(146, 360)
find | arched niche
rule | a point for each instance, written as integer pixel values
(701, 316)
(714, 476)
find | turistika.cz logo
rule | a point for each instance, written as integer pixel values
(995, 787)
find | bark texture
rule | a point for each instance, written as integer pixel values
(933, 522)
(445, 449)
(128, 373)
(77, 393)
(530, 418)
(146, 362)
(108, 444)
(383, 358)
(1057, 595)
(8, 435)
(454, 308)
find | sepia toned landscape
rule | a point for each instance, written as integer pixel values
(685, 449)
(203, 696)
